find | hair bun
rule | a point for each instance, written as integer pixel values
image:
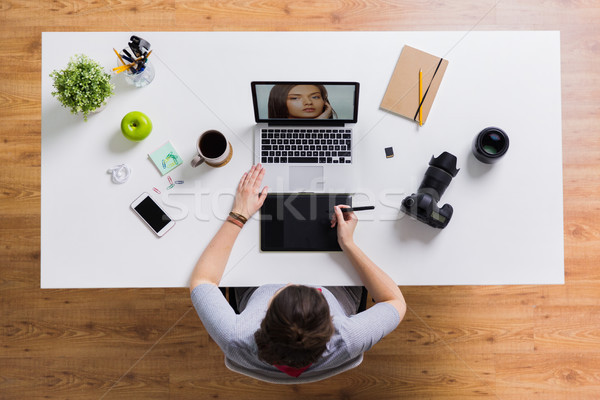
(297, 333)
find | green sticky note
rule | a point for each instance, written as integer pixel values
(165, 158)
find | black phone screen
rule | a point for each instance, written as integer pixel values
(152, 214)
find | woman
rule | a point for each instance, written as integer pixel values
(293, 333)
(300, 101)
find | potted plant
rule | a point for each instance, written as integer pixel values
(83, 86)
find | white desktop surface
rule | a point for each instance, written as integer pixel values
(507, 226)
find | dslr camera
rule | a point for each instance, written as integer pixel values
(423, 204)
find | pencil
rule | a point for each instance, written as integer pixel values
(420, 97)
(122, 68)
(118, 55)
(144, 58)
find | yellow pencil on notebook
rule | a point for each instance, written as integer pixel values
(420, 97)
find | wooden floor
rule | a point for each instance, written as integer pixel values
(515, 342)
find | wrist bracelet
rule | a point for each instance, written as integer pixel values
(238, 217)
(235, 222)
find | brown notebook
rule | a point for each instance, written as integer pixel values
(402, 94)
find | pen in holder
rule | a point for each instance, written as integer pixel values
(138, 71)
(140, 78)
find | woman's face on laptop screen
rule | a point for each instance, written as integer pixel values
(305, 101)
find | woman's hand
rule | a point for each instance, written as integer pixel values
(346, 223)
(326, 114)
(249, 198)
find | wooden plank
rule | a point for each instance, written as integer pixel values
(359, 15)
(509, 329)
(382, 376)
(556, 376)
(567, 329)
(69, 377)
(85, 16)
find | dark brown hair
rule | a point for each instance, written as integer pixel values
(277, 106)
(296, 328)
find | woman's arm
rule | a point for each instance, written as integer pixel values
(248, 200)
(379, 284)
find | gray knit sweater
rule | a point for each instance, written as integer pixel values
(234, 333)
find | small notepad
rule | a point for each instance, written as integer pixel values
(165, 158)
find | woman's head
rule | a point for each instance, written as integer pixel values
(297, 101)
(296, 328)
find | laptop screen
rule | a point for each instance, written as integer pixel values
(305, 103)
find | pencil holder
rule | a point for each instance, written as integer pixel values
(141, 78)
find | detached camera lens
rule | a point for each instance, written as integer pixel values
(490, 144)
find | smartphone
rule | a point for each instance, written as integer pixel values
(151, 213)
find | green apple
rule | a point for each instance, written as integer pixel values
(136, 126)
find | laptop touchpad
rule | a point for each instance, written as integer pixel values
(306, 178)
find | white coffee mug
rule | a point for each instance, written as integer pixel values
(213, 148)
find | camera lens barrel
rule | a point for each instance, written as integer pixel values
(439, 175)
(490, 145)
(446, 162)
(435, 182)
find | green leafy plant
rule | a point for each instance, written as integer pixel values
(83, 86)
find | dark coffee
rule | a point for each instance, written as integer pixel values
(213, 144)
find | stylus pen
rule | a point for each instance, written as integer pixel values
(350, 209)
(358, 208)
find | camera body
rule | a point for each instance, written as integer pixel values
(423, 207)
(423, 204)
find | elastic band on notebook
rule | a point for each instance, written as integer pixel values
(428, 86)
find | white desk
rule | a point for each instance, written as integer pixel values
(507, 226)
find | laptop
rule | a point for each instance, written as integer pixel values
(304, 134)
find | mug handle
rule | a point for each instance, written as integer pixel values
(197, 160)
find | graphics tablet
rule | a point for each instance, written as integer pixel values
(300, 222)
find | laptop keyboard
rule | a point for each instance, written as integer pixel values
(317, 146)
